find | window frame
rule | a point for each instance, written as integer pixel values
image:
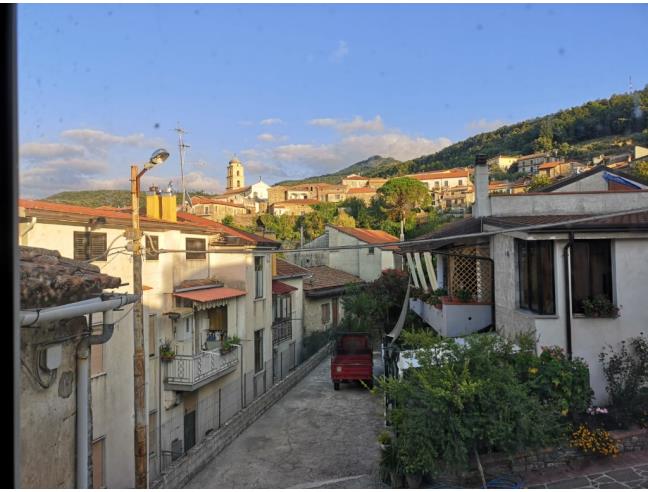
(89, 238)
(326, 308)
(102, 441)
(259, 365)
(188, 248)
(533, 300)
(259, 277)
(589, 284)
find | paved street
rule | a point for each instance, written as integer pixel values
(314, 437)
(627, 471)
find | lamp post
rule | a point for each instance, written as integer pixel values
(139, 372)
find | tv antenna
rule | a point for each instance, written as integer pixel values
(182, 146)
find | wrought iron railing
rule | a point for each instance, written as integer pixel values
(190, 370)
(281, 330)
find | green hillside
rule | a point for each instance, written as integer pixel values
(373, 165)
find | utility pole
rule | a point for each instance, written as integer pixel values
(182, 146)
(139, 369)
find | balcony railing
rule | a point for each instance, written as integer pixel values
(187, 373)
(281, 330)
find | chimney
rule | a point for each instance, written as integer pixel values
(169, 205)
(482, 206)
(153, 203)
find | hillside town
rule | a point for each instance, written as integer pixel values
(372, 264)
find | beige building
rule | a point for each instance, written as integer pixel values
(214, 209)
(501, 162)
(529, 163)
(323, 288)
(448, 178)
(365, 194)
(194, 298)
(355, 181)
(292, 207)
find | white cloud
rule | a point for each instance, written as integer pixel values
(266, 137)
(99, 137)
(341, 52)
(357, 124)
(271, 121)
(38, 150)
(484, 125)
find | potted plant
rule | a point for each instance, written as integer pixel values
(599, 307)
(385, 439)
(464, 295)
(229, 344)
(167, 354)
(390, 464)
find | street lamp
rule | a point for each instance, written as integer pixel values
(139, 373)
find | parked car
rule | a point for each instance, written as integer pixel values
(352, 359)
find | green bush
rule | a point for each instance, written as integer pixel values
(312, 342)
(626, 374)
(599, 307)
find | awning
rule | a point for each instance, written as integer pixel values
(281, 288)
(179, 312)
(211, 295)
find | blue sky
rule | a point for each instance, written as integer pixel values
(297, 90)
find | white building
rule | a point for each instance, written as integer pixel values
(193, 299)
(366, 263)
(541, 275)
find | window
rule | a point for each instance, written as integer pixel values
(96, 360)
(90, 246)
(536, 276)
(371, 251)
(258, 275)
(591, 271)
(152, 246)
(445, 183)
(282, 307)
(98, 466)
(326, 313)
(194, 244)
(218, 319)
(258, 350)
(152, 336)
(460, 182)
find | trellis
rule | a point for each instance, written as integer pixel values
(467, 273)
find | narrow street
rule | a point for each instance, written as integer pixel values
(313, 437)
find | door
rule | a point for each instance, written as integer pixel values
(189, 430)
(335, 312)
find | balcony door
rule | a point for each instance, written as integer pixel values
(335, 312)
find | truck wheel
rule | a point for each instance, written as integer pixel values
(336, 386)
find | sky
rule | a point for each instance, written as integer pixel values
(296, 90)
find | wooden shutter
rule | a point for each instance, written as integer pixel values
(196, 244)
(90, 246)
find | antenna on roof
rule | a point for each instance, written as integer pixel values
(182, 146)
(630, 85)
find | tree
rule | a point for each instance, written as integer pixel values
(538, 181)
(228, 220)
(399, 196)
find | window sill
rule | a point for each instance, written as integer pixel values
(98, 375)
(531, 314)
(259, 299)
(582, 316)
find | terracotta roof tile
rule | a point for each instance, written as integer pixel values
(450, 173)
(285, 269)
(48, 279)
(209, 295)
(324, 277)
(281, 288)
(370, 236)
(365, 189)
(222, 228)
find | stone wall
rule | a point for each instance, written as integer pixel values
(186, 467)
(519, 463)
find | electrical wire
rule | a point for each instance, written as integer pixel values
(411, 242)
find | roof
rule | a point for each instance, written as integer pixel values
(597, 169)
(236, 191)
(285, 269)
(369, 236)
(48, 279)
(203, 200)
(199, 283)
(326, 278)
(186, 222)
(297, 201)
(365, 189)
(222, 228)
(450, 173)
(210, 294)
(532, 156)
(549, 165)
(634, 221)
(468, 225)
(280, 288)
(355, 176)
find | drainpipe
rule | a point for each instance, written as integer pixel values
(82, 401)
(568, 314)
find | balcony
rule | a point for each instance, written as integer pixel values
(188, 373)
(452, 318)
(281, 330)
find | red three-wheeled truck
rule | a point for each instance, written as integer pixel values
(352, 359)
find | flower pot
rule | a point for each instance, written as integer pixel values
(167, 358)
(414, 480)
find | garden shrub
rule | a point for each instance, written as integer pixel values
(465, 399)
(312, 342)
(597, 441)
(626, 374)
